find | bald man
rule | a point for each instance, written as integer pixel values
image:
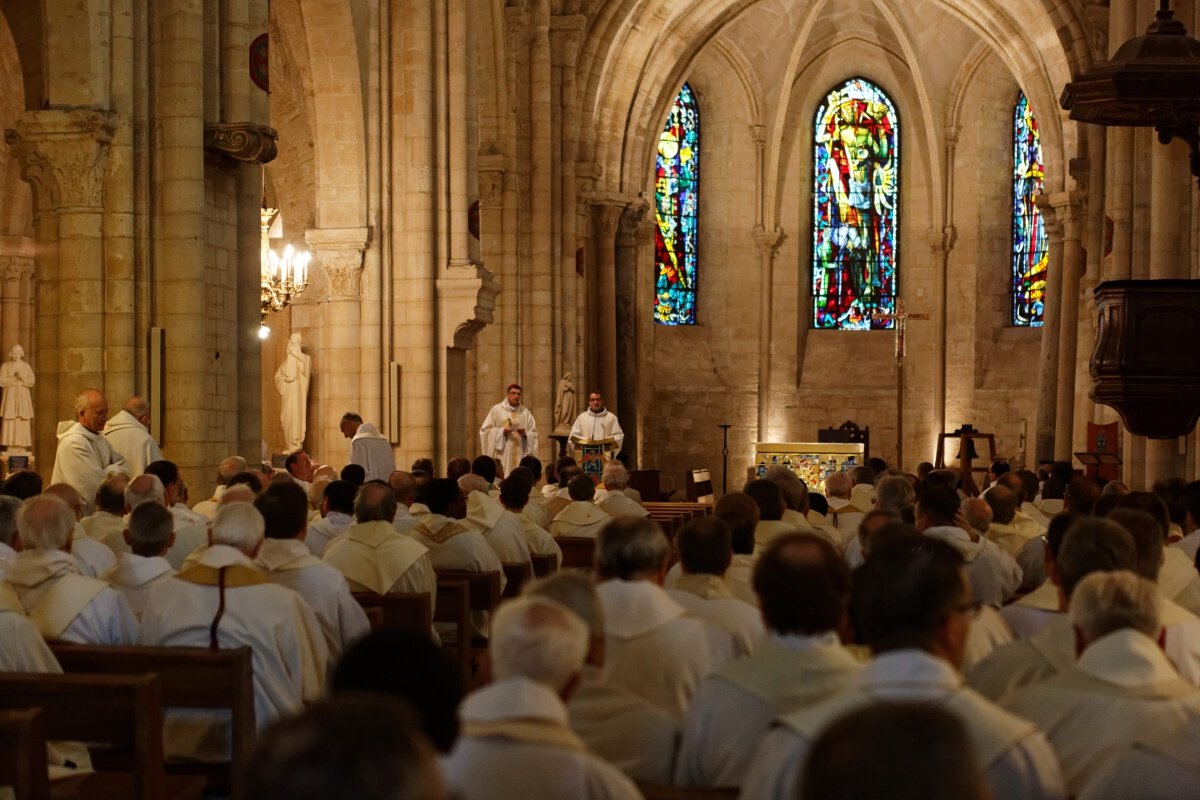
(128, 431)
(84, 457)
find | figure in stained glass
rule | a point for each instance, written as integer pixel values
(1030, 250)
(677, 176)
(855, 203)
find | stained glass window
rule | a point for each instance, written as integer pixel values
(1030, 252)
(855, 197)
(677, 181)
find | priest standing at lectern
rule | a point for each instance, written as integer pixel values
(597, 424)
(509, 431)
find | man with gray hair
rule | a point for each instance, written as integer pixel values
(1122, 686)
(223, 602)
(143, 567)
(500, 528)
(189, 536)
(84, 457)
(617, 725)
(225, 470)
(109, 517)
(516, 742)
(8, 528)
(65, 605)
(795, 497)
(844, 514)
(614, 500)
(582, 518)
(654, 648)
(94, 558)
(128, 431)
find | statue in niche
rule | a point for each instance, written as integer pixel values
(291, 381)
(16, 408)
(564, 406)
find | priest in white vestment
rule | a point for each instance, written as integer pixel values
(514, 496)
(1163, 765)
(1122, 687)
(654, 648)
(913, 608)
(509, 432)
(189, 536)
(337, 515)
(65, 605)
(795, 501)
(596, 424)
(844, 515)
(804, 591)
(287, 561)
(94, 557)
(9, 506)
(993, 574)
(516, 742)
(224, 602)
(228, 467)
(374, 558)
(128, 431)
(369, 448)
(616, 724)
(614, 499)
(705, 553)
(142, 568)
(84, 457)
(404, 485)
(500, 528)
(107, 522)
(769, 499)
(452, 543)
(582, 518)
(1003, 531)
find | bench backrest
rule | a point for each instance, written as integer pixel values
(517, 573)
(578, 552)
(23, 753)
(411, 612)
(483, 587)
(543, 564)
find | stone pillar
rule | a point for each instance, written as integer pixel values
(767, 243)
(62, 155)
(632, 235)
(1048, 360)
(941, 243)
(339, 254)
(17, 274)
(1068, 208)
(606, 216)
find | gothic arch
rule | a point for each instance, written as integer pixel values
(25, 25)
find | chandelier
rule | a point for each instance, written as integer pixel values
(283, 276)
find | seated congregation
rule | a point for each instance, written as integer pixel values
(889, 637)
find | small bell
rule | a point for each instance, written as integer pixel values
(971, 453)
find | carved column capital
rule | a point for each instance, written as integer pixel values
(636, 223)
(16, 268)
(942, 242)
(768, 241)
(491, 181)
(466, 303)
(62, 153)
(242, 141)
(1068, 211)
(339, 251)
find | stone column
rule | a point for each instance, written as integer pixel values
(1047, 410)
(1068, 208)
(606, 216)
(633, 233)
(62, 155)
(941, 243)
(339, 254)
(767, 243)
(17, 273)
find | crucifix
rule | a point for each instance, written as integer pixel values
(900, 317)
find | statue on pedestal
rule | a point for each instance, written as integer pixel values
(291, 381)
(564, 405)
(16, 408)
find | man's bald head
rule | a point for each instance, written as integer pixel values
(839, 484)
(145, 489)
(91, 409)
(404, 485)
(978, 513)
(1003, 503)
(237, 494)
(68, 495)
(1014, 483)
(137, 407)
(228, 468)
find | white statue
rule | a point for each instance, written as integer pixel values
(564, 405)
(291, 381)
(16, 409)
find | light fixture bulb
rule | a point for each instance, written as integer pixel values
(263, 331)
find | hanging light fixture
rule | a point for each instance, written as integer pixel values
(283, 276)
(1151, 81)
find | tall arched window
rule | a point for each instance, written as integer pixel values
(676, 204)
(1030, 251)
(856, 189)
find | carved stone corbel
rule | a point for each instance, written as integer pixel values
(242, 141)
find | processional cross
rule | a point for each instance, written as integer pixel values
(901, 318)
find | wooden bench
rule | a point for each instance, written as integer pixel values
(23, 753)
(483, 594)
(578, 552)
(123, 711)
(516, 574)
(188, 678)
(544, 564)
(454, 608)
(410, 611)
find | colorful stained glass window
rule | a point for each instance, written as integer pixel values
(855, 202)
(1030, 251)
(676, 186)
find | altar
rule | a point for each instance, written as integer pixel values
(811, 461)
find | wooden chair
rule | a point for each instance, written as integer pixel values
(543, 564)
(483, 587)
(188, 678)
(700, 486)
(122, 711)
(517, 574)
(454, 607)
(410, 612)
(23, 753)
(578, 552)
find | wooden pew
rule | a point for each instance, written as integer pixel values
(578, 552)
(517, 574)
(123, 711)
(410, 611)
(543, 564)
(483, 594)
(454, 607)
(189, 678)
(23, 753)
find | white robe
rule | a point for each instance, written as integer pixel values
(324, 530)
(94, 557)
(653, 648)
(1163, 765)
(1178, 579)
(67, 606)
(83, 459)
(709, 598)
(452, 544)
(22, 648)
(208, 508)
(131, 439)
(101, 525)
(374, 558)
(619, 504)
(594, 427)
(135, 576)
(993, 574)
(580, 519)
(1016, 760)
(539, 539)
(404, 521)
(734, 707)
(501, 528)
(516, 744)
(1189, 544)
(739, 577)
(373, 452)
(510, 449)
(1122, 688)
(288, 650)
(289, 563)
